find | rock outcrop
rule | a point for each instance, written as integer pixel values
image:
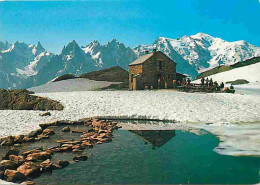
(23, 100)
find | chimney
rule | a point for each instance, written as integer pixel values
(146, 52)
(154, 50)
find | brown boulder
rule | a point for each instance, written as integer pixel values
(2, 175)
(45, 114)
(8, 164)
(41, 156)
(43, 136)
(29, 169)
(8, 141)
(11, 152)
(38, 150)
(19, 139)
(86, 144)
(28, 183)
(56, 167)
(66, 129)
(46, 165)
(77, 150)
(14, 176)
(48, 132)
(20, 99)
(80, 158)
(35, 133)
(62, 149)
(17, 159)
(28, 139)
(63, 164)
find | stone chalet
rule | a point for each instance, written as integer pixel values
(152, 71)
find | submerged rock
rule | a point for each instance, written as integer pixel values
(63, 164)
(80, 158)
(66, 129)
(14, 176)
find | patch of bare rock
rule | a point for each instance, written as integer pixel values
(20, 99)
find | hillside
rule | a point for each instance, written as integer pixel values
(224, 68)
(248, 73)
(113, 74)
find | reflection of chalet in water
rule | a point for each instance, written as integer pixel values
(153, 70)
(155, 137)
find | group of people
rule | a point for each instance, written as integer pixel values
(186, 82)
(209, 83)
(213, 85)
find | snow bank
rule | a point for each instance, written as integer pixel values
(249, 73)
(78, 84)
(163, 105)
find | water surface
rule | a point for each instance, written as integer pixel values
(158, 157)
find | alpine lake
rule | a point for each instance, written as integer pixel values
(150, 157)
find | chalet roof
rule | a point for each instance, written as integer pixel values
(142, 59)
(182, 75)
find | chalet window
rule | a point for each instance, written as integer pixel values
(163, 64)
(160, 64)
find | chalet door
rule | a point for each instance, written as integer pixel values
(159, 81)
(134, 83)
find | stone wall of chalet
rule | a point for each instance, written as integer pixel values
(148, 72)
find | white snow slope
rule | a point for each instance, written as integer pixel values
(77, 84)
(193, 110)
(250, 73)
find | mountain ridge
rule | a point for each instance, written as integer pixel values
(24, 65)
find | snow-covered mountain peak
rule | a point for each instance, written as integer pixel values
(201, 36)
(202, 51)
(71, 48)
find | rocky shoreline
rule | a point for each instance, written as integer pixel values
(23, 167)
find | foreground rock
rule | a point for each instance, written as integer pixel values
(23, 100)
(46, 114)
(8, 164)
(29, 169)
(66, 129)
(41, 156)
(14, 176)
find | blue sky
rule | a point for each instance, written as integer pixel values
(133, 22)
